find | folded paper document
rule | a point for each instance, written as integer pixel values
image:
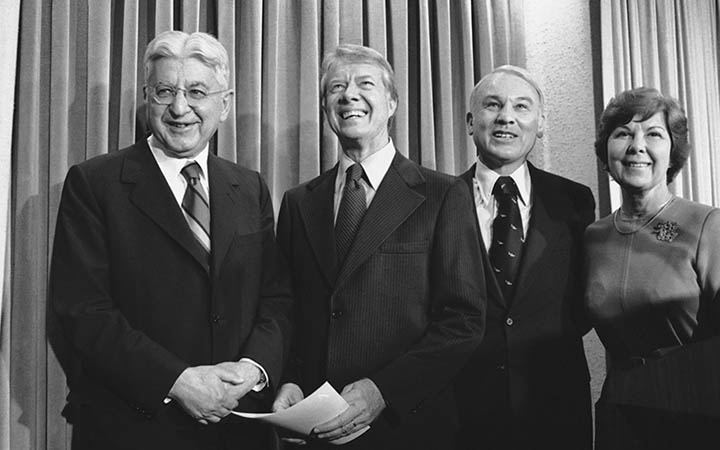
(319, 407)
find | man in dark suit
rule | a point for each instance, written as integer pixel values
(176, 305)
(527, 385)
(386, 268)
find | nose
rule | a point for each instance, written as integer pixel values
(179, 105)
(505, 114)
(637, 144)
(351, 91)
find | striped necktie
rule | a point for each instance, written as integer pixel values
(507, 237)
(196, 206)
(351, 211)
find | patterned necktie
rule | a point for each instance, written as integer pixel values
(196, 206)
(351, 211)
(507, 237)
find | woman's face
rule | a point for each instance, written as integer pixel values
(639, 154)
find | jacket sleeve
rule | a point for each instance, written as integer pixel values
(269, 342)
(458, 307)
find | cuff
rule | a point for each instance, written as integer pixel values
(263, 381)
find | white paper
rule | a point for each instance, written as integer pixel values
(319, 407)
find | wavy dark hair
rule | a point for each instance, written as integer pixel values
(645, 102)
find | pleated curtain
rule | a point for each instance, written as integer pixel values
(671, 45)
(78, 93)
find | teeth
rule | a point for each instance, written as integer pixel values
(349, 114)
(500, 134)
(638, 164)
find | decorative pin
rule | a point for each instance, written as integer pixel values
(666, 231)
(508, 283)
(511, 254)
(513, 227)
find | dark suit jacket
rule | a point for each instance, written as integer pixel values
(139, 305)
(527, 385)
(407, 307)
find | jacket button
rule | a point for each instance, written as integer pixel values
(215, 318)
(509, 322)
(336, 314)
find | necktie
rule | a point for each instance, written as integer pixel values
(351, 211)
(507, 237)
(196, 206)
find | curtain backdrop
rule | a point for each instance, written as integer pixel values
(79, 94)
(671, 45)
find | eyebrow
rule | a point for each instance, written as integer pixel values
(514, 99)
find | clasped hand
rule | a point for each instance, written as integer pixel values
(365, 404)
(209, 393)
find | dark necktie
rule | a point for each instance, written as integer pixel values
(351, 211)
(507, 237)
(195, 203)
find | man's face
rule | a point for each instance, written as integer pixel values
(358, 106)
(504, 121)
(180, 130)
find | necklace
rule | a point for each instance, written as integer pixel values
(631, 230)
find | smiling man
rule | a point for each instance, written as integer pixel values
(166, 275)
(527, 385)
(386, 270)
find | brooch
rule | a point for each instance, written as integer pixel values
(666, 231)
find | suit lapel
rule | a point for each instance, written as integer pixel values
(543, 231)
(393, 203)
(153, 197)
(228, 217)
(494, 291)
(316, 211)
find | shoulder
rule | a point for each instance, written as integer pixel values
(600, 226)
(432, 182)
(249, 182)
(693, 213)
(550, 181)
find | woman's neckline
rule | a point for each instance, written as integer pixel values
(627, 226)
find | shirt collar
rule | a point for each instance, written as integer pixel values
(375, 166)
(175, 165)
(485, 178)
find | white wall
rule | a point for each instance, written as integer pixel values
(559, 54)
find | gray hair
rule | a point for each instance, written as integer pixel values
(357, 54)
(202, 46)
(508, 69)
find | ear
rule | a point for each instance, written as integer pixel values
(469, 123)
(541, 125)
(392, 106)
(227, 100)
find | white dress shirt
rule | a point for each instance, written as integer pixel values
(375, 167)
(171, 169)
(486, 205)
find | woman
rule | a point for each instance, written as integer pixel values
(653, 285)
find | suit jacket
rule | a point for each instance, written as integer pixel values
(139, 304)
(405, 310)
(527, 385)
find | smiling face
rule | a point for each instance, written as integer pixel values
(179, 130)
(358, 106)
(639, 154)
(504, 120)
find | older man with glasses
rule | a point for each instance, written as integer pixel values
(166, 276)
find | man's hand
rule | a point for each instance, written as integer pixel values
(366, 404)
(288, 395)
(246, 371)
(207, 393)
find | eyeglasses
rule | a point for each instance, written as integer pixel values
(163, 94)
